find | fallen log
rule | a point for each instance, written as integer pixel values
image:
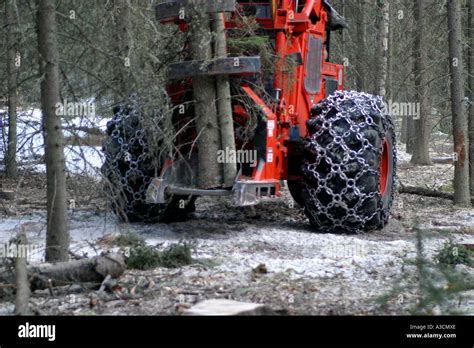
(421, 191)
(7, 195)
(442, 160)
(93, 270)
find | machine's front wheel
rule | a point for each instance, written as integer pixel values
(349, 164)
(130, 164)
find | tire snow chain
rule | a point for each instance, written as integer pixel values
(326, 123)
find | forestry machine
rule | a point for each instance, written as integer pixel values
(334, 150)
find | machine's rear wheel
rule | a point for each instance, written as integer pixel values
(130, 164)
(349, 164)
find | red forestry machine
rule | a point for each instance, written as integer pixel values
(334, 149)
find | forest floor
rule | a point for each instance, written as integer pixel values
(267, 255)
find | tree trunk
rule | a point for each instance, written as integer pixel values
(361, 43)
(11, 168)
(471, 92)
(383, 40)
(389, 94)
(123, 50)
(421, 155)
(404, 130)
(224, 105)
(22, 298)
(341, 8)
(204, 90)
(57, 238)
(410, 135)
(461, 142)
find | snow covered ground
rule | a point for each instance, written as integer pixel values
(306, 273)
(350, 272)
(245, 246)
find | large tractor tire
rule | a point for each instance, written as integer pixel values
(130, 164)
(296, 191)
(349, 164)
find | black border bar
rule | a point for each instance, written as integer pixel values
(242, 330)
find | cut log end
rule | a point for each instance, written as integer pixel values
(222, 307)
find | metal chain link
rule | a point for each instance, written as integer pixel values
(128, 158)
(332, 134)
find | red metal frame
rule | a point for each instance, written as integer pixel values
(293, 30)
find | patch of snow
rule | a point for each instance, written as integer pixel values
(402, 155)
(7, 309)
(79, 159)
(308, 255)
